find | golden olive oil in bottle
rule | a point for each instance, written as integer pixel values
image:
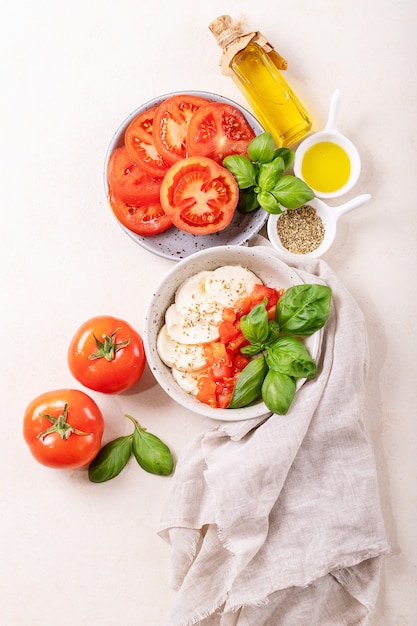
(254, 69)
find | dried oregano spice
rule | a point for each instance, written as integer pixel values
(300, 230)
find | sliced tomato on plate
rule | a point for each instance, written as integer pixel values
(170, 125)
(140, 144)
(199, 195)
(130, 182)
(145, 219)
(217, 130)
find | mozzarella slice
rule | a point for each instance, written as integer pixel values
(193, 327)
(230, 283)
(186, 358)
(192, 293)
(186, 380)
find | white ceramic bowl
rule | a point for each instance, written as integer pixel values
(174, 244)
(264, 262)
(332, 135)
(329, 216)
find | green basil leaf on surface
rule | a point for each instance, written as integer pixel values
(303, 309)
(287, 155)
(255, 325)
(270, 173)
(289, 356)
(242, 169)
(278, 391)
(248, 201)
(292, 192)
(152, 454)
(249, 383)
(261, 148)
(268, 202)
(111, 459)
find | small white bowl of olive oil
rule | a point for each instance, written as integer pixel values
(327, 160)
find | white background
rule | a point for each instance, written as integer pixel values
(76, 553)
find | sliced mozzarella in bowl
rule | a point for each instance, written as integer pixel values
(192, 328)
(186, 358)
(229, 283)
(186, 380)
(193, 293)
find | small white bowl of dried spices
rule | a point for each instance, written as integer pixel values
(311, 229)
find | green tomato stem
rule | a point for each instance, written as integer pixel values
(60, 426)
(107, 349)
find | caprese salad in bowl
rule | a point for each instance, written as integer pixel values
(233, 332)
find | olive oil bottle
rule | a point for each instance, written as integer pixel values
(255, 66)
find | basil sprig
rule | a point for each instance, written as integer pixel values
(152, 454)
(261, 180)
(280, 357)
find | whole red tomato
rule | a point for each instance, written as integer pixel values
(63, 428)
(106, 354)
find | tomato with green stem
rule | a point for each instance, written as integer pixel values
(63, 428)
(106, 354)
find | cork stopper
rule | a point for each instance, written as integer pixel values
(225, 30)
(231, 37)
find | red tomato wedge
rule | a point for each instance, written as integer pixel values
(143, 219)
(217, 130)
(170, 125)
(140, 144)
(130, 182)
(199, 195)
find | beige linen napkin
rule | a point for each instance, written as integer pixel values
(276, 521)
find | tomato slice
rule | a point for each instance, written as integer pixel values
(170, 125)
(145, 219)
(217, 130)
(130, 182)
(199, 195)
(140, 144)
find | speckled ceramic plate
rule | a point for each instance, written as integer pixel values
(173, 243)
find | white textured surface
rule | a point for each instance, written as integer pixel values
(72, 552)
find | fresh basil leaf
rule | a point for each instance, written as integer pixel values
(278, 391)
(287, 155)
(268, 202)
(255, 325)
(252, 350)
(273, 332)
(152, 454)
(292, 192)
(111, 459)
(261, 148)
(242, 169)
(249, 383)
(303, 309)
(270, 173)
(289, 356)
(248, 201)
